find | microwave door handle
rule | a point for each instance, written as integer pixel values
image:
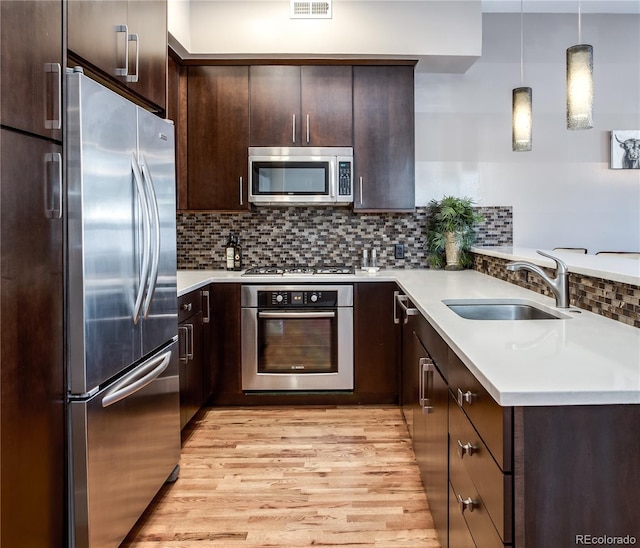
(296, 315)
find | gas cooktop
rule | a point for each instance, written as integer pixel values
(298, 270)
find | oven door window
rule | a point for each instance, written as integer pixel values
(297, 342)
(290, 178)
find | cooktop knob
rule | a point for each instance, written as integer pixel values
(314, 298)
(279, 298)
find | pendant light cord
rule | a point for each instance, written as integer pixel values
(579, 23)
(521, 44)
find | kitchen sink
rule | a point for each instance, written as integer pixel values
(481, 309)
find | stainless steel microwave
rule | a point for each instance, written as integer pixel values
(301, 175)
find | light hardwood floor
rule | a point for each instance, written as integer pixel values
(292, 477)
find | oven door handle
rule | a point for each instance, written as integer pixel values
(296, 315)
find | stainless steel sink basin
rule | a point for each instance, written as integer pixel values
(497, 310)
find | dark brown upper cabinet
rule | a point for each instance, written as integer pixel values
(31, 85)
(125, 42)
(217, 137)
(384, 140)
(309, 105)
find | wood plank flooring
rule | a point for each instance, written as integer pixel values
(292, 477)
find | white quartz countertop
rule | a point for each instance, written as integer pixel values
(584, 360)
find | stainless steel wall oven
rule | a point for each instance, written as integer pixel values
(297, 337)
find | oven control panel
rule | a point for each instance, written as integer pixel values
(294, 299)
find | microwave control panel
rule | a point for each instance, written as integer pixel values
(344, 178)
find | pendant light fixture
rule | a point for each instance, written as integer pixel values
(580, 82)
(521, 105)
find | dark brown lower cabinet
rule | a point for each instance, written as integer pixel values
(32, 433)
(428, 416)
(190, 344)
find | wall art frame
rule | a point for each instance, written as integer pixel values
(625, 149)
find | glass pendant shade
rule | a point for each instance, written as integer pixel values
(521, 122)
(580, 87)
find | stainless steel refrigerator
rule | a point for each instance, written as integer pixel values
(121, 311)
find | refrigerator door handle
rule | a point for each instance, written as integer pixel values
(144, 274)
(137, 379)
(154, 213)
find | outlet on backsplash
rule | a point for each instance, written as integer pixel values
(399, 251)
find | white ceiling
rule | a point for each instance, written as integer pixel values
(561, 6)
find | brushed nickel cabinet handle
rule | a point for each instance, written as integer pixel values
(293, 133)
(467, 397)
(124, 71)
(53, 186)
(133, 37)
(308, 136)
(466, 449)
(207, 307)
(55, 122)
(241, 194)
(361, 191)
(466, 504)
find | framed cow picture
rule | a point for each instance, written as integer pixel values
(625, 149)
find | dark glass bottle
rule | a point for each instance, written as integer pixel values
(230, 252)
(237, 257)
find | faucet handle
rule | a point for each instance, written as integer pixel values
(561, 266)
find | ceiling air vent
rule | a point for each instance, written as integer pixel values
(308, 9)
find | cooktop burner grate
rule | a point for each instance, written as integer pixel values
(298, 270)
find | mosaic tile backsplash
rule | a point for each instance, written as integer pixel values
(308, 235)
(615, 300)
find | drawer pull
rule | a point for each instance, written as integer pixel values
(466, 449)
(187, 307)
(466, 504)
(465, 397)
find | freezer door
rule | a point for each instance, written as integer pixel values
(125, 442)
(156, 158)
(104, 211)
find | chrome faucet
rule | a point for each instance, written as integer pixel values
(558, 285)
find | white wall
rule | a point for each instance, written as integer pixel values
(179, 21)
(562, 192)
(445, 35)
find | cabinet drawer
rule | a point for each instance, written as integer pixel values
(475, 514)
(459, 535)
(189, 305)
(492, 421)
(467, 450)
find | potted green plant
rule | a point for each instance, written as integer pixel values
(450, 232)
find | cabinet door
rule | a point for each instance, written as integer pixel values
(383, 134)
(218, 135)
(177, 112)
(32, 401)
(148, 65)
(431, 439)
(191, 373)
(327, 105)
(31, 66)
(96, 34)
(377, 342)
(275, 105)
